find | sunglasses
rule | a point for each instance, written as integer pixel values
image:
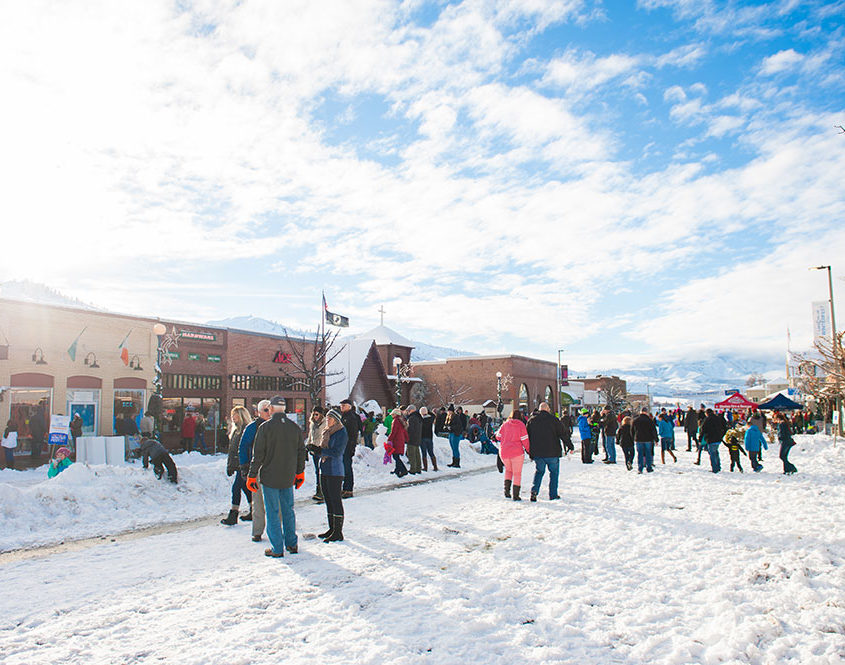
(266, 410)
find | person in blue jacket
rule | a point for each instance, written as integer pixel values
(256, 509)
(666, 432)
(754, 443)
(333, 444)
(586, 433)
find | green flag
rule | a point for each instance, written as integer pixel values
(72, 348)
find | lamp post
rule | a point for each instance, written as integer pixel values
(557, 384)
(835, 346)
(159, 329)
(397, 364)
(499, 405)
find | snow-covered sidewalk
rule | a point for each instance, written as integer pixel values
(83, 502)
(675, 567)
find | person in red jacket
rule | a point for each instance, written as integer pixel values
(188, 431)
(398, 437)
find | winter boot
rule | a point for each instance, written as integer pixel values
(508, 489)
(425, 463)
(453, 463)
(248, 516)
(457, 464)
(434, 462)
(516, 489)
(328, 533)
(318, 495)
(534, 497)
(231, 519)
(337, 530)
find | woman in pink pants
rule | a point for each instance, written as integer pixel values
(513, 443)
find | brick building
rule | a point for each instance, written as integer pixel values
(473, 380)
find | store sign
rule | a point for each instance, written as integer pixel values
(200, 336)
(282, 358)
(193, 356)
(732, 391)
(173, 355)
(59, 430)
(213, 359)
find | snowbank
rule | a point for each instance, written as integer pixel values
(85, 501)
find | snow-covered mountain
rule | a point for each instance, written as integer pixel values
(28, 291)
(421, 351)
(684, 378)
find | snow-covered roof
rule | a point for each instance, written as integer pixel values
(384, 335)
(348, 363)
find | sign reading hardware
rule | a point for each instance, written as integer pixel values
(282, 358)
(202, 336)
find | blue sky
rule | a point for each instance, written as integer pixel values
(628, 181)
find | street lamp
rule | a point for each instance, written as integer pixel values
(557, 384)
(159, 329)
(835, 343)
(499, 405)
(397, 363)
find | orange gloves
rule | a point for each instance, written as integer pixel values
(252, 484)
(298, 479)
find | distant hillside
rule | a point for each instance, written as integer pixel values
(28, 291)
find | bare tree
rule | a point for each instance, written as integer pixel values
(613, 395)
(308, 362)
(449, 390)
(822, 374)
(754, 379)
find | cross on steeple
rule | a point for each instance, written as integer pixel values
(381, 311)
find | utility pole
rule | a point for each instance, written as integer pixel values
(835, 345)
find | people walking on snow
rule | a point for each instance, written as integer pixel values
(239, 419)
(312, 446)
(427, 440)
(454, 426)
(754, 441)
(625, 437)
(333, 443)
(586, 437)
(786, 442)
(414, 440)
(545, 433)
(666, 431)
(513, 444)
(566, 432)
(278, 461)
(645, 436)
(609, 427)
(712, 431)
(256, 509)
(734, 446)
(398, 438)
(352, 423)
(691, 427)
(152, 451)
(10, 442)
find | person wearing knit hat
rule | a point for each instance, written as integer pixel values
(60, 462)
(333, 439)
(398, 437)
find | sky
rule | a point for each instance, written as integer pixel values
(623, 180)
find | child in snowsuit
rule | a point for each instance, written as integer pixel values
(735, 447)
(151, 449)
(754, 440)
(586, 437)
(513, 444)
(60, 462)
(625, 437)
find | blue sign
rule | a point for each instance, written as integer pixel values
(57, 439)
(733, 391)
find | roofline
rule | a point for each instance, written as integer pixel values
(499, 357)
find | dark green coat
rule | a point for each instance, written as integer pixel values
(278, 453)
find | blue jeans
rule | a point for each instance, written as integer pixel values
(610, 447)
(540, 465)
(199, 438)
(316, 461)
(280, 502)
(645, 456)
(715, 461)
(238, 487)
(454, 441)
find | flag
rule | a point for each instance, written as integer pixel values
(124, 352)
(72, 348)
(334, 319)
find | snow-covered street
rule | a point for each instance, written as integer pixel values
(679, 566)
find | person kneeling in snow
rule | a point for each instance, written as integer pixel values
(60, 463)
(151, 449)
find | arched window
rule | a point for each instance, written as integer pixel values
(523, 396)
(549, 399)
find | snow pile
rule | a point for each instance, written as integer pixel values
(672, 568)
(85, 501)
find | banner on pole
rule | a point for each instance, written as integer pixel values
(821, 320)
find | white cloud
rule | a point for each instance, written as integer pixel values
(781, 61)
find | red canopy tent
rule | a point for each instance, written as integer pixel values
(735, 401)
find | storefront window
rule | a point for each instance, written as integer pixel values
(30, 411)
(523, 396)
(549, 396)
(128, 402)
(172, 414)
(87, 404)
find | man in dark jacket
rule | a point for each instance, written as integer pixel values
(712, 431)
(691, 427)
(278, 460)
(544, 436)
(415, 425)
(152, 450)
(353, 425)
(440, 422)
(645, 436)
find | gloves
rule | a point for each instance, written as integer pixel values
(298, 479)
(252, 484)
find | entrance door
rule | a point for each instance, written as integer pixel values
(88, 412)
